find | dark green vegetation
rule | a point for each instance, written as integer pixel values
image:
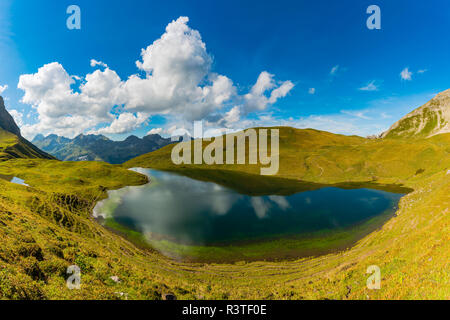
(99, 147)
(12, 146)
(46, 227)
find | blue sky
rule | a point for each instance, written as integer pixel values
(317, 63)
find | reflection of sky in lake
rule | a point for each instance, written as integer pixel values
(14, 180)
(194, 212)
(18, 181)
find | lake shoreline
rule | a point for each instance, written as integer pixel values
(256, 249)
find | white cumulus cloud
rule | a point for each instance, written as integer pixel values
(95, 63)
(124, 123)
(63, 111)
(155, 131)
(266, 92)
(178, 76)
(175, 80)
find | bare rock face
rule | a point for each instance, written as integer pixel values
(7, 122)
(429, 120)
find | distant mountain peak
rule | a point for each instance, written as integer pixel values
(7, 122)
(15, 146)
(430, 119)
(132, 138)
(39, 136)
(90, 137)
(98, 147)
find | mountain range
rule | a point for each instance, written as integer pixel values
(431, 119)
(81, 148)
(99, 147)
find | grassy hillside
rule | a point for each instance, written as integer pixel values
(12, 146)
(48, 226)
(322, 157)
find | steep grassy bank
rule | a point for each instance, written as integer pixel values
(12, 147)
(46, 227)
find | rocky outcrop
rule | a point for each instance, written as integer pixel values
(430, 119)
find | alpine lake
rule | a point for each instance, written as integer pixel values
(226, 218)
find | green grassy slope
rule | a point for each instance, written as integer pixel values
(430, 119)
(418, 270)
(48, 226)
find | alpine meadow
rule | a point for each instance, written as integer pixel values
(327, 178)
